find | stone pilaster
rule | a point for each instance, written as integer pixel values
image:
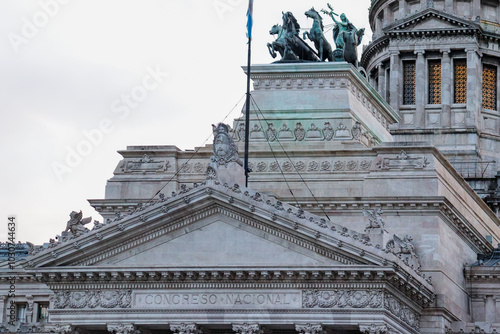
(309, 328)
(448, 6)
(474, 78)
(381, 80)
(446, 89)
(246, 328)
(3, 309)
(402, 9)
(476, 9)
(420, 91)
(123, 329)
(184, 328)
(396, 77)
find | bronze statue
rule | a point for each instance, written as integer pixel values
(279, 44)
(295, 47)
(316, 36)
(346, 36)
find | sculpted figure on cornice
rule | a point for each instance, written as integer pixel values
(76, 225)
(404, 249)
(225, 150)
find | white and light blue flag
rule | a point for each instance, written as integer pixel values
(250, 19)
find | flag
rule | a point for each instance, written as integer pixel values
(250, 19)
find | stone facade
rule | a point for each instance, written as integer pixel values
(436, 63)
(353, 220)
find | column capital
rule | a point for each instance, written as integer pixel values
(182, 328)
(246, 328)
(309, 328)
(445, 51)
(419, 52)
(374, 329)
(60, 329)
(123, 329)
(394, 52)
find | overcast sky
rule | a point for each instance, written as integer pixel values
(67, 67)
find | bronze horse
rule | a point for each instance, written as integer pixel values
(316, 35)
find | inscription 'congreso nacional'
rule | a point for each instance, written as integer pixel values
(190, 299)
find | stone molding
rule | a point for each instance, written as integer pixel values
(309, 328)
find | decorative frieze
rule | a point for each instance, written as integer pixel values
(92, 299)
(342, 299)
(144, 165)
(402, 311)
(401, 161)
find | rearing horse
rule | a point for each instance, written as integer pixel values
(279, 44)
(293, 42)
(316, 35)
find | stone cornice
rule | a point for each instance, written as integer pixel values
(366, 277)
(326, 72)
(256, 210)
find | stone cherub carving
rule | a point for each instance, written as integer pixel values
(76, 225)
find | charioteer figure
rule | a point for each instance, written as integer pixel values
(346, 36)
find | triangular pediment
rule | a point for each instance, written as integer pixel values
(430, 20)
(215, 242)
(214, 226)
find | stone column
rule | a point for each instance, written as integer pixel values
(402, 9)
(396, 80)
(474, 88)
(381, 80)
(246, 328)
(183, 328)
(490, 309)
(446, 89)
(309, 328)
(420, 85)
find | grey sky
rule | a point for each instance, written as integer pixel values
(67, 77)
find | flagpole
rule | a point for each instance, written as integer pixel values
(247, 113)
